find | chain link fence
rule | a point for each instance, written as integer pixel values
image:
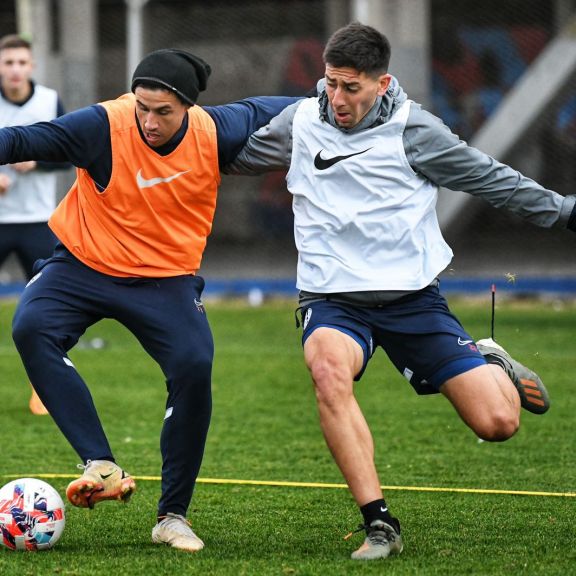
(479, 51)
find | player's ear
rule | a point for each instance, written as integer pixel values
(384, 82)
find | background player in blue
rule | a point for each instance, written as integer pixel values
(27, 189)
(131, 233)
(365, 165)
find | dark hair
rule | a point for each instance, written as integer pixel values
(360, 47)
(14, 41)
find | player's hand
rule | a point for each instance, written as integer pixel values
(24, 167)
(4, 183)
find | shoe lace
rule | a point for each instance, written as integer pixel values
(359, 529)
(177, 523)
(376, 535)
(380, 537)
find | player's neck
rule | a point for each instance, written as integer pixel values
(17, 94)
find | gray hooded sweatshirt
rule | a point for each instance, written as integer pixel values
(433, 152)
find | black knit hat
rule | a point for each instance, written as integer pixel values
(176, 70)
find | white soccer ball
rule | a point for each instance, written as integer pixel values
(31, 515)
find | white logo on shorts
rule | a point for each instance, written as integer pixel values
(33, 279)
(408, 374)
(464, 342)
(307, 318)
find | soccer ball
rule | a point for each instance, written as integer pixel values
(31, 515)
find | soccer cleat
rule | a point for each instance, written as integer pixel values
(533, 394)
(174, 530)
(382, 540)
(36, 405)
(102, 480)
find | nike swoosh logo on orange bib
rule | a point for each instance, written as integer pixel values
(147, 183)
(133, 230)
(324, 163)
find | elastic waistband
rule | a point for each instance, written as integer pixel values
(366, 299)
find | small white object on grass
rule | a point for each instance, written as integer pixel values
(255, 297)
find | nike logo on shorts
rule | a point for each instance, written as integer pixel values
(464, 342)
(324, 163)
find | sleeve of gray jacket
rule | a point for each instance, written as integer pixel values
(434, 151)
(269, 148)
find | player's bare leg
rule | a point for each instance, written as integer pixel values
(333, 359)
(531, 389)
(36, 405)
(486, 400)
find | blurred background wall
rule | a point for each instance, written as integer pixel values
(501, 74)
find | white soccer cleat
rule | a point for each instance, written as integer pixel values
(174, 530)
(102, 480)
(382, 540)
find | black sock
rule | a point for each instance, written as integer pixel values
(376, 510)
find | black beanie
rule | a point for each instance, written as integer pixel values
(176, 70)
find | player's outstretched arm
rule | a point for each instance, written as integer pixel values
(434, 151)
(76, 137)
(235, 122)
(268, 149)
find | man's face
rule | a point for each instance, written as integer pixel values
(16, 67)
(351, 93)
(160, 114)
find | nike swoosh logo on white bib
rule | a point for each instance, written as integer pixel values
(147, 183)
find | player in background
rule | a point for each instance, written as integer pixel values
(131, 233)
(27, 189)
(365, 164)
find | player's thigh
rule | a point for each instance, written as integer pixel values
(474, 391)
(428, 360)
(168, 317)
(335, 337)
(486, 400)
(61, 301)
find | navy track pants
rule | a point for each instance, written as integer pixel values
(167, 317)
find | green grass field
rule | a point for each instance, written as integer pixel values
(265, 428)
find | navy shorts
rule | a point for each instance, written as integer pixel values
(420, 335)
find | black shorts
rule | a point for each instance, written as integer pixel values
(420, 335)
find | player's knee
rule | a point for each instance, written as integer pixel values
(332, 381)
(25, 326)
(498, 427)
(190, 367)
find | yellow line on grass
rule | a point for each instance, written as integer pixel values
(327, 485)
